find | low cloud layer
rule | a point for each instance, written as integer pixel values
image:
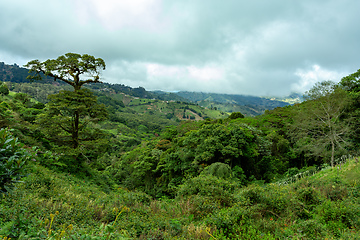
(235, 46)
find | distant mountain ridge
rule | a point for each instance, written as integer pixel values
(231, 98)
(248, 105)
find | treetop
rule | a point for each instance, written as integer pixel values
(68, 68)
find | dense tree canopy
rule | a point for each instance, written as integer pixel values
(352, 82)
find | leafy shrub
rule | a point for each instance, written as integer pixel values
(335, 191)
(218, 169)
(311, 229)
(13, 158)
(308, 195)
(339, 214)
(206, 194)
(238, 174)
(226, 218)
(279, 200)
(29, 114)
(253, 194)
(5, 114)
(202, 206)
(291, 172)
(215, 188)
(4, 90)
(236, 115)
(133, 197)
(270, 200)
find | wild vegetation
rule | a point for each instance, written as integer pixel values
(101, 164)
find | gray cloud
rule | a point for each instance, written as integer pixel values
(245, 47)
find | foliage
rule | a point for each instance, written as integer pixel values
(190, 149)
(235, 115)
(217, 189)
(4, 90)
(5, 114)
(218, 169)
(143, 175)
(13, 158)
(68, 69)
(52, 204)
(70, 111)
(320, 126)
(351, 84)
(68, 115)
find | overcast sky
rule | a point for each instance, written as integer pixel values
(256, 47)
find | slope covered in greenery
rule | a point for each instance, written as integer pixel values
(143, 173)
(248, 105)
(49, 205)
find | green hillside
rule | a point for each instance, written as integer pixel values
(248, 105)
(114, 197)
(95, 162)
(131, 118)
(51, 205)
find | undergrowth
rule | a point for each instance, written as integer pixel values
(54, 205)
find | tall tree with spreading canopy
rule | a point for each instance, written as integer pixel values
(68, 113)
(319, 126)
(68, 68)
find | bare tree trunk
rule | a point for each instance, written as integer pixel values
(75, 135)
(332, 152)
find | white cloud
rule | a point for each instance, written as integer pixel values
(180, 77)
(114, 15)
(308, 77)
(205, 74)
(235, 46)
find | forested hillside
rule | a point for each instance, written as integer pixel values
(88, 162)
